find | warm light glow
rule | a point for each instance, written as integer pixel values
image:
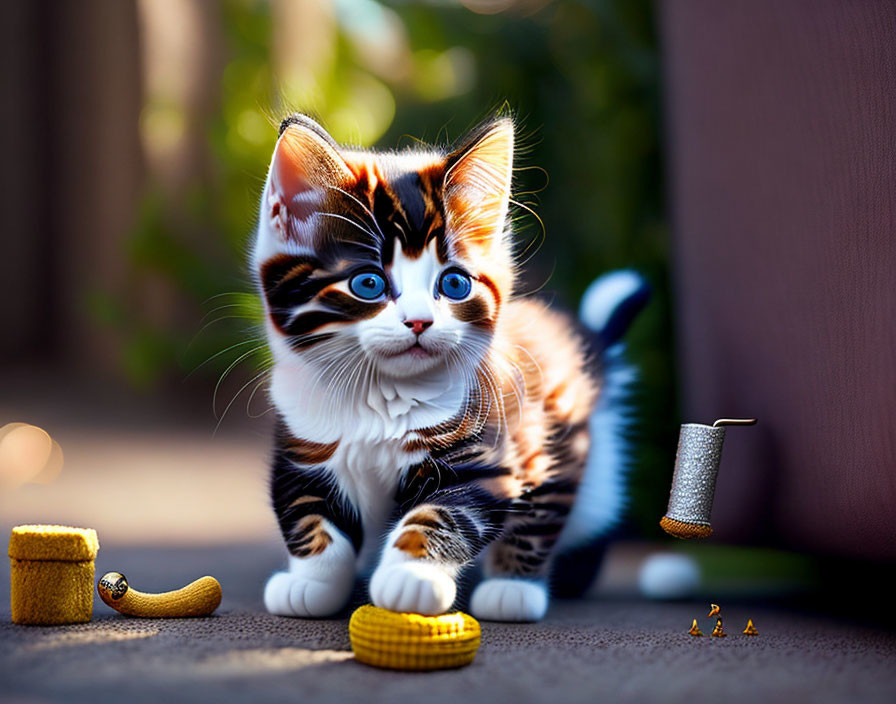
(28, 454)
(96, 634)
(444, 74)
(255, 660)
(162, 127)
(365, 113)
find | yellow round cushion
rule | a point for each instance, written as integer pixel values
(412, 642)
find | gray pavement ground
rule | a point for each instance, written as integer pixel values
(585, 651)
(171, 501)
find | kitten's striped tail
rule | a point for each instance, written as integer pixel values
(609, 306)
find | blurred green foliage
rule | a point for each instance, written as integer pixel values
(581, 76)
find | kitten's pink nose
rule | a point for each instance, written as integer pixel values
(417, 326)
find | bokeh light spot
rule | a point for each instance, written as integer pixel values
(444, 74)
(253, 127)
(163, 128)
(28, 454)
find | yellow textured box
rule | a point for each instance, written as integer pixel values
(51, 574)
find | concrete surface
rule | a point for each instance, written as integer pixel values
(173, 500)
(588, 651)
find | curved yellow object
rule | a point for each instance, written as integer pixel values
(412, 642)
(198, 598)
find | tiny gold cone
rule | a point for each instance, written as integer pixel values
(717, 632)
(713, 610)
(695, 629)
(750, 630)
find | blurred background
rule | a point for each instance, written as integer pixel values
(137, 133)
(152, 123)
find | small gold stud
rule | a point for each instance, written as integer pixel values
(695, 629)
(717, 632)
(713, 610)
(750, 630)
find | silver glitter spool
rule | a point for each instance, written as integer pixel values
(694, 481)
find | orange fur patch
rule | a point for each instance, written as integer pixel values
(312, 538)
(306, 452)
(305, 500)
(413, 542)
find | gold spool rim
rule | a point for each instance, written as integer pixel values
(685, 529)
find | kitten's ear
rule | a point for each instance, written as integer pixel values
(306, 162)
(477, 183)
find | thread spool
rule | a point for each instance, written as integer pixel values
(694, 480)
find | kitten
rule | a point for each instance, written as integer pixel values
(427, 418)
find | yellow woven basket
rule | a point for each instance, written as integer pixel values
(51, 574)
(412, 642)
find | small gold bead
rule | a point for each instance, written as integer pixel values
(695, 629)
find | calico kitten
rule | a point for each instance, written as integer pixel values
(427, 418)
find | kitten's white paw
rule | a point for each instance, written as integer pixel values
(413, 587)
(509, 600)
(288, 594)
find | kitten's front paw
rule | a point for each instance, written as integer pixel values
(515, 600)
(287, 594)
(413, 587)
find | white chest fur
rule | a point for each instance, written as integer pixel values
(371, 426)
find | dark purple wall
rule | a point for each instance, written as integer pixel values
(782, 129)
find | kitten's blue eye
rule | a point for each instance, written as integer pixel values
(455, 285)
(368, 285)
